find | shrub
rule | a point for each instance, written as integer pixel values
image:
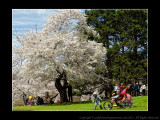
(77, 93)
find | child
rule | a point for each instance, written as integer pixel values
(97, 100)
(115, 89)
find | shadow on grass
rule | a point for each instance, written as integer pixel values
(70, 103)
(67, 103)
(81, 102)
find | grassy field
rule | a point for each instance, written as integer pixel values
(139, 104)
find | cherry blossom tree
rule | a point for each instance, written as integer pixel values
(60, 52)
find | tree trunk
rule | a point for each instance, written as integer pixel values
(62, 89)
(135, 45)
(108, 61)
(63, 95)
(135, 53)
(111, 88)
(122, 46)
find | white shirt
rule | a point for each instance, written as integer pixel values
(143, 87)
(115, 88)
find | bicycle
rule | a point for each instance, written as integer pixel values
(108, 105)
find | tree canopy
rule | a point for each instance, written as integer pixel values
(124, 34)
(61, 52)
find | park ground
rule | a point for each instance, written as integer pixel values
(140, 103)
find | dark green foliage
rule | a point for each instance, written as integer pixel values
(77, 93)
(124, 34)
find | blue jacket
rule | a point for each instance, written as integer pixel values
(136, 87)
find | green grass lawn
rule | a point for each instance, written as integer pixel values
(139, 104)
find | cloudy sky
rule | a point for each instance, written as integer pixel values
(28, 19)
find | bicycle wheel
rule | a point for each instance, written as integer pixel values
(108, 105)
(126, 103)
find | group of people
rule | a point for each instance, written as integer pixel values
(46, 99)
(120, 91)
(119, 95)
(137, 90)
(129, 91)
(39, 101)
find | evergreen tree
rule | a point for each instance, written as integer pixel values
(124, 34)
(103, 22)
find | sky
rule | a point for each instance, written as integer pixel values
(28, 19)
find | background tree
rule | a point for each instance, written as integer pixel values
(103, 22)
(133, 34)
(124, 34)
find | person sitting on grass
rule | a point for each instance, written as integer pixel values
(39, 100)
(97, 100)
(30, 100)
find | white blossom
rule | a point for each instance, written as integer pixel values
(61, 45)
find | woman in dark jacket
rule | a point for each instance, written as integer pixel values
(136, 89)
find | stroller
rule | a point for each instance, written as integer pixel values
(108, 105)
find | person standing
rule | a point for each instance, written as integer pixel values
(136, 89)
(143, 89)
(70, 93)
(121, 87)
(115, 89)
(132, 89)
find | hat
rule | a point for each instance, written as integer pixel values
(95, 93)
(30, 97)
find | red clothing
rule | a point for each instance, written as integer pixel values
(121, 95)
(124, 90)
(121, 88)
(129, 97)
